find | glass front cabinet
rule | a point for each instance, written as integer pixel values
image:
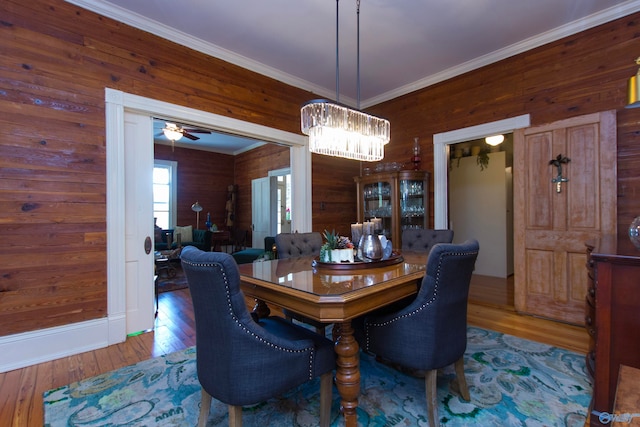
(399, 200)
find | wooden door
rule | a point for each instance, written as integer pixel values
(551, 227)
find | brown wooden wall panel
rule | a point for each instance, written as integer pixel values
(334, 194)
(56, 60)
(252, 165)
(203, 176)
(580, 74)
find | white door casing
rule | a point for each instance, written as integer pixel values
(441, 142)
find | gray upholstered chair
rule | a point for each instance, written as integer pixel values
(242, 360)
(293, 245)
(431, 332)
(423, 239)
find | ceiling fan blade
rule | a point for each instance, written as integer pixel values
(196, 130)
(188, 135)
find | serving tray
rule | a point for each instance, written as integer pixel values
(395, 258)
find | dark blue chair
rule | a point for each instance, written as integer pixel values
(423, 239)
(431, 331)
(294, 245)
(242, 360)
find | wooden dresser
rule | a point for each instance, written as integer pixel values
(612, 316)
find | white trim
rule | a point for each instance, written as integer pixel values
(29, 348)
(300, 161)
(441, 142)
(136, 20)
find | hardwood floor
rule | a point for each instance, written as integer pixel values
(490, 307)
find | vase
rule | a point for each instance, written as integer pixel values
(370, 248)
(342, 255)
(337, 256)
(634, 232)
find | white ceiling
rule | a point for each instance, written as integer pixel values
(217, 142)
(405, 45)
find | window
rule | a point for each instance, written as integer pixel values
(165, 184)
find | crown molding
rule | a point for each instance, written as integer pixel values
(538, 40)
(138, 21)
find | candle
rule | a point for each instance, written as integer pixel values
(367, 228)
(377, 224)
(356, 232)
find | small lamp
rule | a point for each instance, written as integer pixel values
(197, 208)
(633, 92)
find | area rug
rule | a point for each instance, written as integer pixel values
(512, 381)
(179, 281)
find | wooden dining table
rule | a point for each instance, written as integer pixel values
(334, 294)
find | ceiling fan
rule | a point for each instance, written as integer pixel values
(175, 132)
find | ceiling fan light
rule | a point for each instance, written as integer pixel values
(339, 131)
(172, 132)
(494, 140)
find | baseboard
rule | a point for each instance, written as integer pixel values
(30, 348)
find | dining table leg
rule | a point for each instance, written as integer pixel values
(261, 309)
(348, 373)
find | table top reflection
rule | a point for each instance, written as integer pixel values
(325, 294)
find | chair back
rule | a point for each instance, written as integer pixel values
(235, 354)
(444, 295)
(423, 239)
(290, 245)
(431, 331)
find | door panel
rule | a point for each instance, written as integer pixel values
(538, 152)
(263, 209)
(551, 227)
(138, 139)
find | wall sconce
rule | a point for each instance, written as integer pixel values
(633, 95)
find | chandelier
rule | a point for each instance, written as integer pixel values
(337, 130)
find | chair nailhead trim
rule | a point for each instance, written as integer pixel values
(311, 350)
(423, 306)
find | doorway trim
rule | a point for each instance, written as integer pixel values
(441, 142)
(116, 104)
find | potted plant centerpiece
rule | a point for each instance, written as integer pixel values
(336, 248)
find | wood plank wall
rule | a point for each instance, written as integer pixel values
(56, 59)
(580, 74)
(203, 176)
(252, 165)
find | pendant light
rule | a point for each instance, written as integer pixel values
(337, 130)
